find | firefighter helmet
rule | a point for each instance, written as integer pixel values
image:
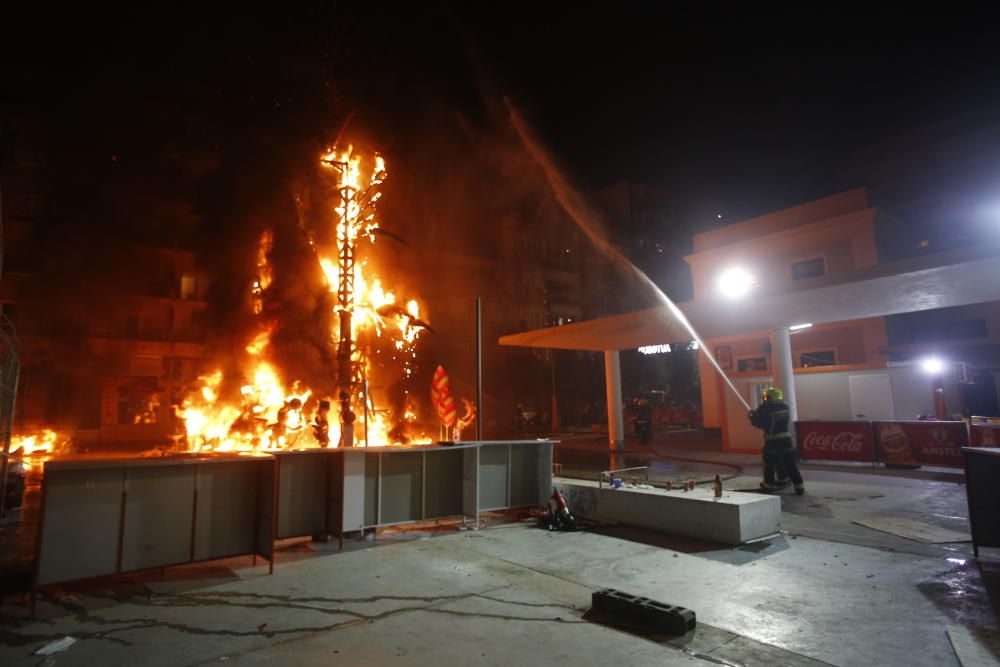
(772, 394)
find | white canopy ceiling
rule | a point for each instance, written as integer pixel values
(940, 280)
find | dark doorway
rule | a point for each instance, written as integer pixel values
(981, 395)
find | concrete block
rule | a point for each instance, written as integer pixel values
(657, 616)
(734, 518)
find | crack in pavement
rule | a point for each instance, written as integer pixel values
(258, 601)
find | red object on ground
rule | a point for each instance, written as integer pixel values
(835, 441)
(984, 434)
(918, 443)
(557, 504)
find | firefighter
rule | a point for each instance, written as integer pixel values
(642, 425)
(774, 418)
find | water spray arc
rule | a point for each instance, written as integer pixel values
(580, 212)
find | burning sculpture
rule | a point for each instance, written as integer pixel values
(374, 335)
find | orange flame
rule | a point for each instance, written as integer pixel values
(38, 448)
(269, 414)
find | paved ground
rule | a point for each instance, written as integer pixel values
(823, 591)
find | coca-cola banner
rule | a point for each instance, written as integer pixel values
(835, 441)
(984, 435)
(916, 443)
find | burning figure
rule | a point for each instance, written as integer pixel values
(369, 322)
(321, 424)
(356, 215)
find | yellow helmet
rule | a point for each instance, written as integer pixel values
(772, 394)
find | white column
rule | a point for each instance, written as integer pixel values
(783, 365)
(613, 384)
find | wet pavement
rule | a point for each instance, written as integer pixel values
(823, 591)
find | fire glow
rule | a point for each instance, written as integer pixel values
(275, 412)
(37, 448)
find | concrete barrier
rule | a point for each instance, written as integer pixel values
(735, 518)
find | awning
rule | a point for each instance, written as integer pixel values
(941, 280)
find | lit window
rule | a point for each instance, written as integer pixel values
(188, 286)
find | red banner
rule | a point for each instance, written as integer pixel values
(835, 441)
(984, 434)
(917, 443)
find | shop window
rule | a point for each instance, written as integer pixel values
(818, 358)
(189, 286)
(808, 268)
(139, 401)
(751, 364)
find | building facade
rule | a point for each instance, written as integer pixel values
(103, 360)
(860, 369)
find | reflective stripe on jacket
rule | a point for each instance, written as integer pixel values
(774, 418)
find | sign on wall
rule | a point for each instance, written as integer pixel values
(835, 441)
(915, 443)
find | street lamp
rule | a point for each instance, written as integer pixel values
(736, 282)
(932, 365)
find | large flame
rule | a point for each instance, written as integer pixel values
(272, 412)
(36, 449)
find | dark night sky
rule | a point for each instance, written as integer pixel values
(751, 109)
(757, 111)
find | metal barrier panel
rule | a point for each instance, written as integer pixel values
(108, 517)
(372, 475)
(401, 487)
(494, 471)
(443, 483)
(266, 502)
(524, 471)
(225, 510)
(81, 524)
(303, 485)
(158, 521)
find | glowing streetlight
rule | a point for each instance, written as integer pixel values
(735, 283)
(932, 365)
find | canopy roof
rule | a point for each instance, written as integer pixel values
(940, 280)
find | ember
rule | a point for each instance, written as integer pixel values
(275, 412)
